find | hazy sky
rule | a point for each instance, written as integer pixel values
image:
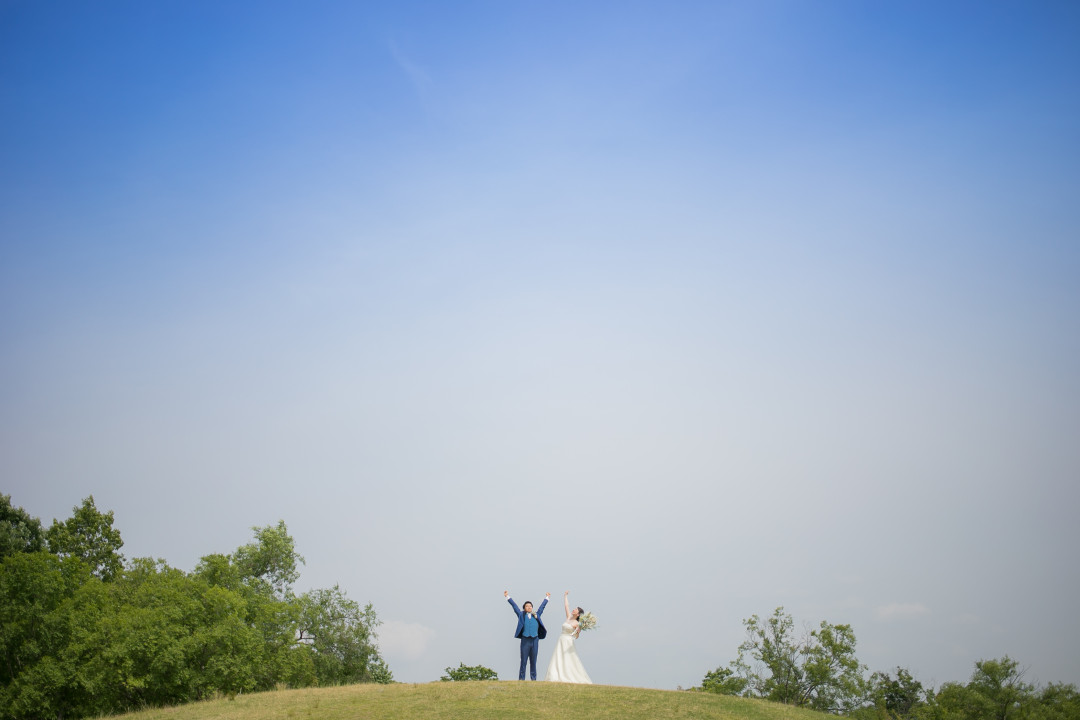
(693, 309)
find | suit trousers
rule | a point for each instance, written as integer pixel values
(529, 646)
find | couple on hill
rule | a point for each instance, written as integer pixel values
(565, 665)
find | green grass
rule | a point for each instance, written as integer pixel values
(481, 700)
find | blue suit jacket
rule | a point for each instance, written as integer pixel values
(541, 631)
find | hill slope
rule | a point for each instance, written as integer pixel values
(481, 700)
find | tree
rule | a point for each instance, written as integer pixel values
(996, 691)
(218, 570)
(271, 560)
(1058, 701)
(834, 679)
(226, 651)
(341, 636)
(1001, 683)
(44, 602)
(18, 531)
(273, 620)
(818, 670)
(724, 681)
(773, 645)
(89, 535)
(901, 698)
(469, 672)
(84, 635)
(380, 672)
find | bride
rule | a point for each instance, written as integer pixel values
(565, 665)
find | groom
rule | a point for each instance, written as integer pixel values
(531, 630)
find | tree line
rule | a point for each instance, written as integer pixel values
(86, 633)
(819, 670)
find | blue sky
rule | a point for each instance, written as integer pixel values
(692, 308)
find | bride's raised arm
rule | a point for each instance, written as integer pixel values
(566, 603)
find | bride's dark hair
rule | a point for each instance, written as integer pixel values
(580, 612)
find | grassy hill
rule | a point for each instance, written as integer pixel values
(481, 700)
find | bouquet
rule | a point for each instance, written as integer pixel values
(587, 621)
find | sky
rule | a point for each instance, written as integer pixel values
(693, 309)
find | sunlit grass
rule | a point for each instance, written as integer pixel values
(482, 700)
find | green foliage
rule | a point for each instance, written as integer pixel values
(773, 644)
(43, 601)
(1058, 701)
(85, 636)
(997, 691)
(218, 570)
(724, 681)
(380, 671)
(339, 633)
(899, 698)
(469, 672)
(271, 560)
(818, 670)
(89, 536)
(835, 680)
(18, 531)
(1001, 684)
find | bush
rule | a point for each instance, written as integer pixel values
(469, 672)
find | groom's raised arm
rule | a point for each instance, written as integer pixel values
(517, 610)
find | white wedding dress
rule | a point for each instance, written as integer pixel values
(565, 665)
